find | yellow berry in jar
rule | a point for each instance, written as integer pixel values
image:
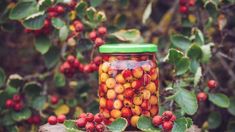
(105, 66)
(145, 94)
(102, 102)
(106, 113)
(116, 113)
(154, 110)
(137, 100)
(127, 85)
(137, 72)
(153, 100)
(146, 67)
(119, 88)
(117, 104)
(153, 74)
(136, 110)
(111, 94)
(120, 97)
(110, 83)
(151, 87)
(134, 120)
(127, 102)
(103, 77)
(120, 79)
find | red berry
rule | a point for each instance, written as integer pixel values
(70, 59)
(36, 119)
(99, 128)
(76, 64)
(81, 122)
(212, 84)
(102, 30)
(146, 105)
(82, 115)
(54, 99)
(30, 120)
(89, 117)
(90, 127)
(126, 112)
(183, 2)
(173, 118)
(183, 9)
(92, 35)
(18, 106)
(99, 42)
(52, 120)
(61, 118)
(78, 26)
(52, 14)
(16, 98)
(167, 115)
(98, 60)
(191, 2)
(157, 120)
(9, 103)
(98, 118)
(109, 104)
(168, 125)
(93, 66)
(87, 68)
(202, 96)
(127, 73)
(129, 93)
(47, 23)
(60, 9)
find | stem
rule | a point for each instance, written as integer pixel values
(92, 53)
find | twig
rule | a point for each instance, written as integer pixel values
(92, 53)
(225, 56)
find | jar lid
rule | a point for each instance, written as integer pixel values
(127, 48)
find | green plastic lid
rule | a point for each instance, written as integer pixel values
(127, 48)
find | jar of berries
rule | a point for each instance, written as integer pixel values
(128, 82)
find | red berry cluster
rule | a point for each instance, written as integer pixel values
(202, 96)
(15, 103)
(52, 120)
(92, 123)
(72, 65)
(34, 119)
(54, 99)
(185, 5)
(166, 120)
(98, 36)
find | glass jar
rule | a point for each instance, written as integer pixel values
(128, 82)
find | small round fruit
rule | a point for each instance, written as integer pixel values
(134, 120)
(151, 87)
(36, 119)
(52, 120)
(137, 72)
(137, 100)
(109, 104)
(127, 85)
(212, 84)
(60, 9)
(117, 104)
(104, 77)
(102, 30)
(145, 94)
(61, 118)
(119, 88)
(146, 67)
(129, 92)
(153, 100)
(167, 126)
(157, 120)
(127, 74)
(102, 102)
(110, 83)
(90, 127)
(120, 79)
(106, 113)
(18, 106)
(92, 35)
(115, 113)
(89, 117)
(126, 112)
(146, 105)
(136, 110)
(173, 118)
(167, 115)
(127, 102)
(111, 94)
(99, 41)
(54, 99)
(82, 115)
(183, 9)
(154, 110)
(16, 98)
(9, 103)
(99, 128)
(136, 84)
(81, 122)
(98, 118)
(202, 96)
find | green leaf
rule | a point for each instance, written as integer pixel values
(21, 115)
(174, 56)
(42, 44)
(39, 102)
(145, 124)
(182, 66)
(199, 38)
(32, 89)
(57, 23)
(187, 101)
(194, 65)
(214, 120)
(44, 4)
(15, 80)
(81, 7)
(100, 17)
(70, 126)
(194, 52)
(180, 41)
(219, 100)
(59, 80)
(231, 108)
(2, 77)
(7, 120)
(35, 21)
(95, 3)
(197, 76)
(131, 35)
(63, 33)
(90, 12)
(52, 57)
(118, 125)
(147, 12)
(181, 124)
(22, 10)
(212, 8)
(206, 52)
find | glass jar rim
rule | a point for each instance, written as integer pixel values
(128, 48)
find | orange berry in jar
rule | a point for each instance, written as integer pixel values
(102, 102)
(136, 110)
(151, 87)
(110, 83)
(145, 94)
(137, 100)
(103, 77)
(127, 103)
(120, 79)
(120, 97)
(153, 74)
(126, 112)
(103, 88)
(128, 93)
(134, 120)
(117, 104)
(105, 67)
(115, 113)
(119, 88)
(153, 100)
(137, 72)
(106, 113)
(146, 67)
(111, 94)
(154, 110)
